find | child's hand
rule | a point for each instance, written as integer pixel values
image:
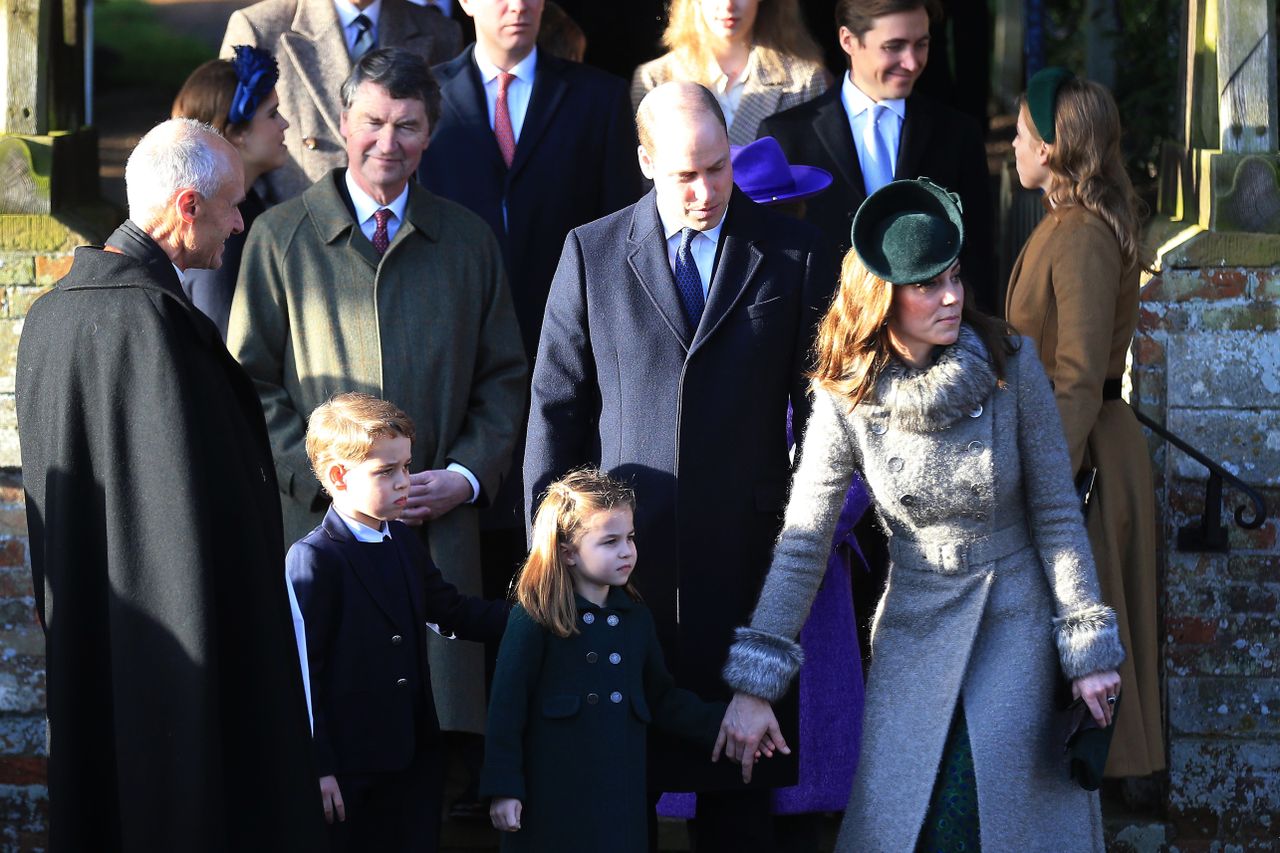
(505, 814)
(331, 797)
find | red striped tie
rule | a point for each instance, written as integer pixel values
(380, 238)
(502, 119)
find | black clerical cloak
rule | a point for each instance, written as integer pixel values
(176, 709)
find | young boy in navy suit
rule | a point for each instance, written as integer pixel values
(368, 593)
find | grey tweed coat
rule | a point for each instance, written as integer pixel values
(992, 596)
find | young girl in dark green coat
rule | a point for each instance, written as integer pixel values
(579, 679)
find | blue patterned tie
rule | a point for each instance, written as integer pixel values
(365, 40)
(688, 282)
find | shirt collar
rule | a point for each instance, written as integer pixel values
(363, 532)
(522, 70)
(720, 80)
(347, 12)
(857, 101)
(365, 205)
(670, 230)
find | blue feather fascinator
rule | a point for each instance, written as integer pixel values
(256, 75)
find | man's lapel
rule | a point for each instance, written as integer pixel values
(318, 52)
(917, 127)
(831, 124)
(463, 93)
(549, 87)
(648, 260)
(739, 261)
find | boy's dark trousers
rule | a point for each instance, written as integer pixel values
(394, 812)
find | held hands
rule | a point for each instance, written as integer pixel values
(505, 814)
(749, 730)
(331, 797)
(1095, 689)
(434, 493)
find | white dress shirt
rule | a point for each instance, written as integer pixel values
(366, 207)
(703, 247)
(363, 532)
(729, 95)
(300, 639)
(347, 14)
(518, 92)
(857, 106)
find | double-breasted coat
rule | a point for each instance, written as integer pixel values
(428, 325)
(990, 566)
(1072, 294)
(694, 419)
(306, 38)
(769, 87)
(568, 721)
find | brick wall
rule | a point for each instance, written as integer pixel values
(1207, 364)
(23, 796)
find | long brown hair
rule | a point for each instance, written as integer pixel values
(853, 345)
(1085, 162)
(206, 96)
(545, 586)
(779, 31)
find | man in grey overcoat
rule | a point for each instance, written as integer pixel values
(367, 282)
(316, 43)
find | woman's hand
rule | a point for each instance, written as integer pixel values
(505, 814)
(1096, 689)
(748, 730)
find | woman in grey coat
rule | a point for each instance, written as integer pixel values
(992, 596)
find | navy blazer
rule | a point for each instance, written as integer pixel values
(359, 654)
(937, 142)
(694, 418)
(575, 162)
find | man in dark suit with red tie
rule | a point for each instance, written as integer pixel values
(872, 129)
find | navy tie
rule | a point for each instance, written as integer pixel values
(687, 280)
(365, 40)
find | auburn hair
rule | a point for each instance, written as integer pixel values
(779, 33)
(545, 587)
(853, 347)
(1085, 163)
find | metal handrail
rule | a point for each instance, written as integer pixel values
(1210, 535)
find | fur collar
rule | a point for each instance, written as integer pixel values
(956, 384)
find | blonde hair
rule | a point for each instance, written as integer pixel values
(853, 347)
(345, 426)
(1085, 163)
(545, 585)
(779, 33)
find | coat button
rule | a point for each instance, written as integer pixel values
(592, 698)
(309, 143)
(588, 618)
(402, 682)
(908, 500)
(975, 447)
(896, 464)
(592, 657)
(396, 639)
(977, 411)
(615, 658)
(613, 619)
(976, 490)
(879, 427)
(615, 697)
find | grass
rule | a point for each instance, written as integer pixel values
(134, 49)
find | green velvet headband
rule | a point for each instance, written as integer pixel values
(1042, 93)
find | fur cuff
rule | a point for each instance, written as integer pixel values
(1088, 641)
(761, 664)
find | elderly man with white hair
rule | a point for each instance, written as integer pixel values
(177, 714)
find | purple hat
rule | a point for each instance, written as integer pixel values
(762, 172)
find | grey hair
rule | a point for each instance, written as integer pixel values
(175, 155)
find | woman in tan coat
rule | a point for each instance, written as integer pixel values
(756, 57)
(1074, 292)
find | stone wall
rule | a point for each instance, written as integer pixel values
(23, 796)
(1207, 364)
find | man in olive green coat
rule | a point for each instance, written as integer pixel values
(367, 282)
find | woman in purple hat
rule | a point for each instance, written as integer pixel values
(756, 57)
(238, 98)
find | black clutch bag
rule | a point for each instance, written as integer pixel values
(1085, 743)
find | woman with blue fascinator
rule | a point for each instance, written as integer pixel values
(992, 598)
(238, 97)
(1074, 292)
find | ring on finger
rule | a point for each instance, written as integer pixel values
(1111, 700)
